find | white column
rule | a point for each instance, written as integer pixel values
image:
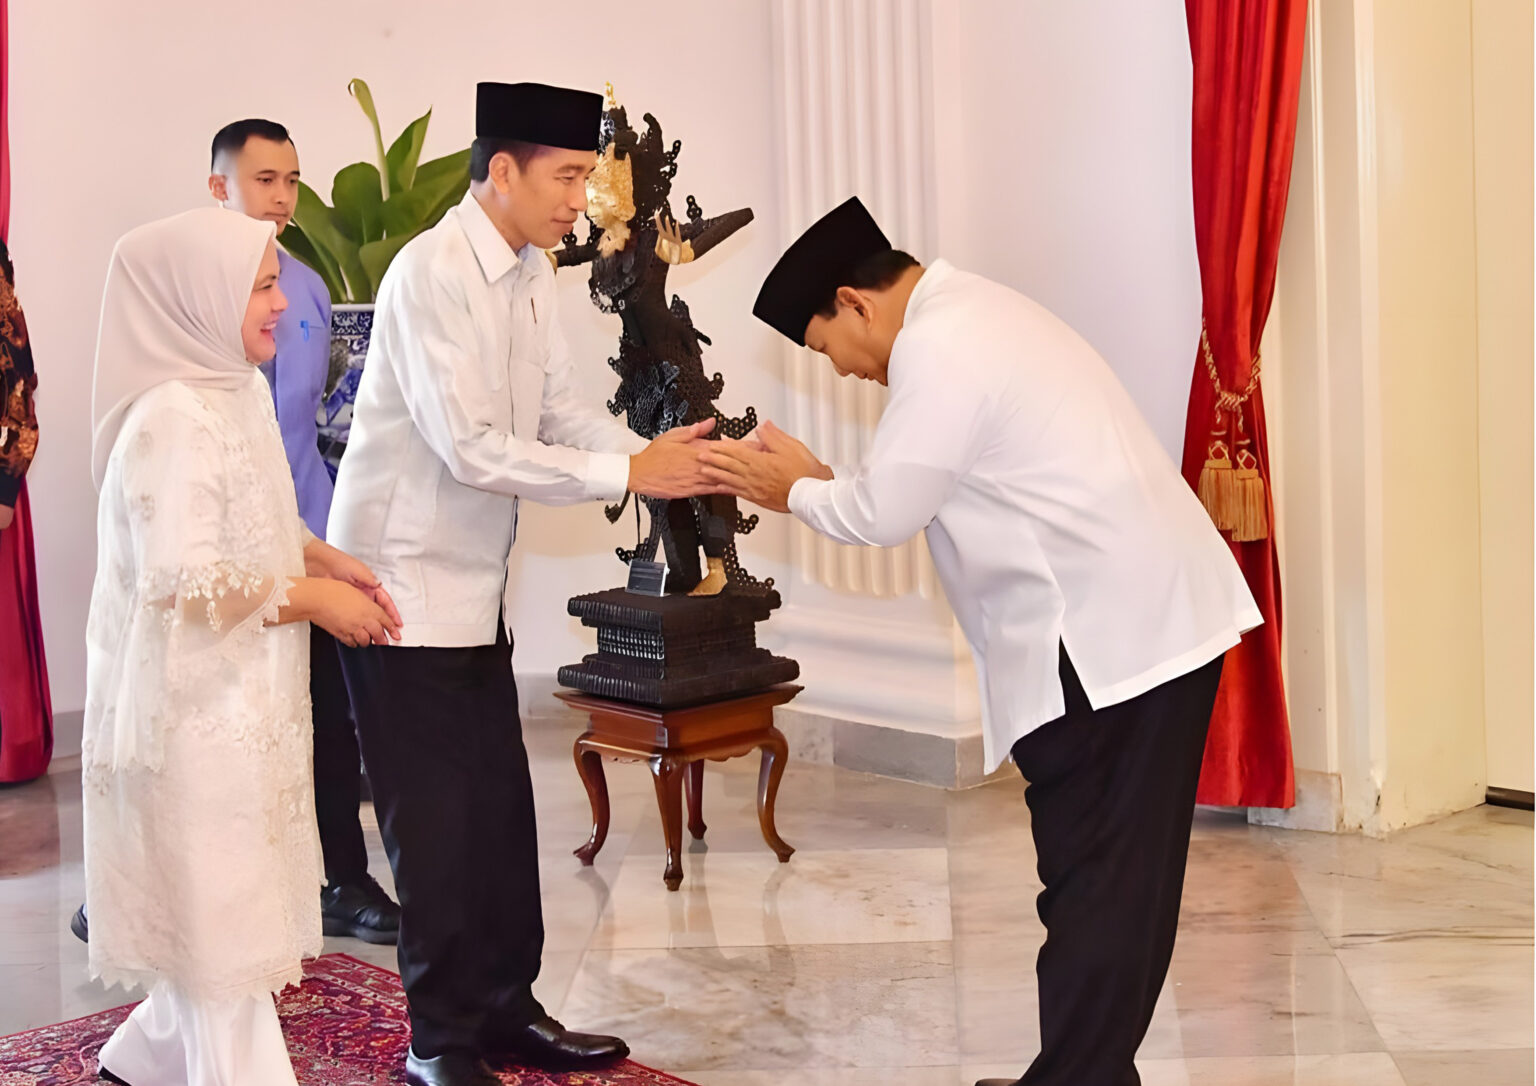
(1377, 506)
(875, 639)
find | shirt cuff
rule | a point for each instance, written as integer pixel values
(607, 476)
(805, 493)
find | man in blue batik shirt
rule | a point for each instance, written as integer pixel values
(256, 171)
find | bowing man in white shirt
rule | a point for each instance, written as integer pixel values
(468, 402)
(1097, 597)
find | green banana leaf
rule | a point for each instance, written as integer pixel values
(359, 90)
(357, 195)
(405, 153)
(377, 255)
(298, 244)
(437, 188)
(378, 208)
(322, 226)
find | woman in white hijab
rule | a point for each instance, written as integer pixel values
(202, 858)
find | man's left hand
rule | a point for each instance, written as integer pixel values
(762, 468)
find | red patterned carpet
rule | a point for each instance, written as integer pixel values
(345, 1026)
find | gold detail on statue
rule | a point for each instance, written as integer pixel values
(1231, 487)
(611, 200)
(670, 245)
(714, 581)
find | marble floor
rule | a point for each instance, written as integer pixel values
(898, 945)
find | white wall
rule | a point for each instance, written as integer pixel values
(1404, 373)
(112, 111)
(1502, 119)
(1064, 171)
(1429, 407)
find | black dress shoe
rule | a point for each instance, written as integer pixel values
(449, 1069)
(104, 1073)
(362, 910)
(549, 1046)
(80, 926)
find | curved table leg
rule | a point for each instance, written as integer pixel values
(668, 773)
(775, 754)
(589, 763)
(695, 782)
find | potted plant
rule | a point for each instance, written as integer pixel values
(376, 207)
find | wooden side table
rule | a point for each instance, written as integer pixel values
(676, 743)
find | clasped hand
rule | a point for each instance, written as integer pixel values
(352, 605)
(761, 468)
(671, 465)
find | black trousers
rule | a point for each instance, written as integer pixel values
(1111, 799)
(444, 749)
(338, 767)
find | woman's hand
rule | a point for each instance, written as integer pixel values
(349, 614)
(323, 560)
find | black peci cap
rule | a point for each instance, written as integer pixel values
(810, 271)
(537, 113)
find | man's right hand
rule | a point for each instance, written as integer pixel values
(7, 516)
(671, 466)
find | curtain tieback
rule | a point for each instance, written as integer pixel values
(1231, 487)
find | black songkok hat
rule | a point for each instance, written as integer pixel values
(811, 270)
(536, 113)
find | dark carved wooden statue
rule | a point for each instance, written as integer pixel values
(632, 242)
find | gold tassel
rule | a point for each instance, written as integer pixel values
(1231, 488)
(1217, 487)
(1250, 519)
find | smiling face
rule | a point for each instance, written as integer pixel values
(260, 180)
(540, 201)
(262, 311)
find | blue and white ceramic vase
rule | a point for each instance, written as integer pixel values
(351, 325)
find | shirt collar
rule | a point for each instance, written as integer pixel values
(496, 257)
(932, 279)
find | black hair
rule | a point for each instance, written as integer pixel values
(877, 272)
(231, 139)
(486, 148)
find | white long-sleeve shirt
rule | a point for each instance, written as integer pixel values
(1053, 515)
(468, 401)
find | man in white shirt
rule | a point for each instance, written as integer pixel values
(469, 401)
(1096, 595)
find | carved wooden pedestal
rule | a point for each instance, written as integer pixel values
(676, 742)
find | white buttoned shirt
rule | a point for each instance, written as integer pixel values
(1053, 514)
(468, 402)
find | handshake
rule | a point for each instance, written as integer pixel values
(761, 468)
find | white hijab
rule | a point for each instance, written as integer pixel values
(177, 291)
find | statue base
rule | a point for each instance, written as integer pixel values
(672, 651)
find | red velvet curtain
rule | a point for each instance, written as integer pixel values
(26, 713)
(1247, 78)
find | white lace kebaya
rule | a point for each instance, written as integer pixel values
(202, 858)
